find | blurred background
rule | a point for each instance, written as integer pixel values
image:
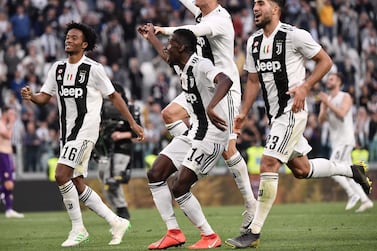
(32, 38)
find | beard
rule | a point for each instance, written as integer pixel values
(263, 23)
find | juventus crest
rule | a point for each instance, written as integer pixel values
(82, 75)
(279, 47)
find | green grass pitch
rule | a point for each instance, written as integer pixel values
(312, 226)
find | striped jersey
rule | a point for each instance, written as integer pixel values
(279, 61)
(80, 89)
(341, 130)
(219, 46)
(197, 84)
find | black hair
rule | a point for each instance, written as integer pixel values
(5, 108)
(187, 38)
(90, 35)
(281, 3)
(340, 76)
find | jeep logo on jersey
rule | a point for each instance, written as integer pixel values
(71, 92)
(268, 66)
(82, 75)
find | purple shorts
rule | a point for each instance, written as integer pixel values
(6, 167)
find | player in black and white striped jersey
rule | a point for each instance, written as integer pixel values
(194, 153)
(275, 61)
(215, 41)
(80, 85)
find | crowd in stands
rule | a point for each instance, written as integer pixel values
(32, 38)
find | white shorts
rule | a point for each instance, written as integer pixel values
(181, 101)
(199, 156)
(76, 154)
(285, 140)
(234, 106)
(342, 154)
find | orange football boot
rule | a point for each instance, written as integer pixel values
(207, 241)
(172, 238)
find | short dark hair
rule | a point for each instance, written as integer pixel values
(339, 76)
(5, 108)
(281, 3)
(90, 35)
(187, 38)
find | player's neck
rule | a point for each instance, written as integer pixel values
(334, 92)
(208, 8)
(184, 59)
(269, 28)
(74, 58)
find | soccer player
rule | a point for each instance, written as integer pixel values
(194, 153)
(275, 63)
(336, 108)
(7, 120)
(215, 41)
(80, 84)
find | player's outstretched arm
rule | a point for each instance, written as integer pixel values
(148, 32)
(121, 106)
(190, 6)
(40, 98)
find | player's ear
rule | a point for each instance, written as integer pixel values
(181, 48)
(84, 45)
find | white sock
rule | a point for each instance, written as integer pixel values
(267, 193)
(92, 200)
(177, 128)
(344, 183)
(72, 204)
(192, 209)
(238, 168)
(320, 168)
(163, 200)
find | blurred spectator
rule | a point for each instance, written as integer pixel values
(21, 25)
(348, 24)
(11, 60)
(50, 44)
(6, 32)
(31, 148)
(373, 137)
(159, 90)
(325, 12)
(364, 97)
(128, 23)
(325, 144)
(17, 83)
(68, 15)
(313, 134)
(51, 17)
(33, 60)
(45, 147)
(361, 127)
(120, 76)
(154, 129)
(136, 78)
(114, 50)
(366, 6)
